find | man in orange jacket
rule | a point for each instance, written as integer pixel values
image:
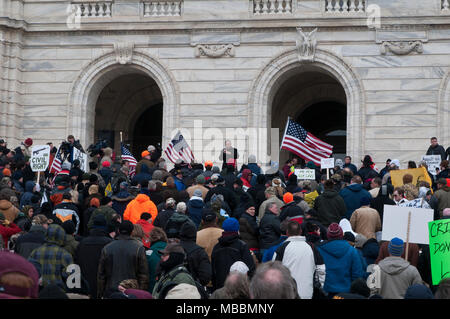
(141, 204)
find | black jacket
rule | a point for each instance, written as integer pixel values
(163, 217)
(119, 260)
(438, 150)
(269, 230)
(198, 262)
(330, 207)
(26, 243)
(225, 253)
(290, 210)
(249, 230)
(87, 256)
(228, 195)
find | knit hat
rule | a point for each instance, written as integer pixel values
(200, 179)
(94, 202)
(145, 153)
(183, 291)
(348, 236)
(11, 262)
(126, 227)
(230, 225)
(334, 231)
(99, 221)
(198, 193)
(395, 247)
(28, 142)
(106, 164)
(69, 227)
(240, 267)
(208, 164)
(364, 201)
(251, 159)
(418, 291)
(288, 197)
(7, 172)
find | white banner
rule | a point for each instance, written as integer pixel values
(83, 158)
(327, 163)
(305, 173)
(433, 162)
(40, 158)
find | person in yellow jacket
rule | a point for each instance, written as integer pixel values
(141, 204)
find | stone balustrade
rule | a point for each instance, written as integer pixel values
(93, 9)
(345, 6)
(263, 7)
(163, 8)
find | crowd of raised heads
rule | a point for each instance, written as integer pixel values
(205, 231)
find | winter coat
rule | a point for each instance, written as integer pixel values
(228, 250)
(291, 210)
(264, 205)
(106, 173)
(366, 221)
(379, 202)
(397, 275)
(121, 200)
(87, 256)
(146, 228)
(367, 173)
(175, 223)
(437, 150)
(370, 251)
(156, 197)
(107, 211)
(26, 197)
(144, 174)
(153, 257)
(144, 162)
(163, 217)
(179, 184)
(249, 230)
(141, 204)
(7, 231)
(67, 211)
(257, 193)
(52, 258)
(413, 253)
(269, 252)
(122, 259)
(191, 190)
(195, 209)
(443, 197)
(330, 207)
(177, 275)
(269, 230)
(198, 262)
(208, 238)
(8, 210)
(343, 265)
(352, 195)
(27, 242)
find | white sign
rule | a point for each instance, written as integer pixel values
(305, 173)
(327, 163)
(433, 162)
(83, 158)
(395, 223)
(40, 158)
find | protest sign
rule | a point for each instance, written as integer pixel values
(327, 163)
(83, 158)
(418, 174)
(305, 173)
(433, 162)
(439, 232)
(401, 221)
(40, 158)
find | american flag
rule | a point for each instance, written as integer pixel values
(302, 143)
(127, 156)
(57, 163)
(178, 148)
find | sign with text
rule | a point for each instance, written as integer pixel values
(327, 163)
(395, 223)
(83, 158)
(419, 174)
(40, 158)
(433, 162)
(305, 173)
(439, 232)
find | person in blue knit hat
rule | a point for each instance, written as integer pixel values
(396, 274)
(227, 251)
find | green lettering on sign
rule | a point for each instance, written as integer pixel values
(439, 232)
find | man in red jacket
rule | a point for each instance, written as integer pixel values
(147, 226)
(7, 229)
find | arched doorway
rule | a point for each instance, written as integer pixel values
(131, 104)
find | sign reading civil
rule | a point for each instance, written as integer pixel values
(40, 158)
(439, 232)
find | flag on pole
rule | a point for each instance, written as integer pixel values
(178, 148)
(302, 143)
(57, 163)
(127, 156)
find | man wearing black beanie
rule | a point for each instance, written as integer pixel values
(122, 259)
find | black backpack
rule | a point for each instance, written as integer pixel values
(171, 284)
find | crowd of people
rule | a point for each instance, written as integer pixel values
(200, 231)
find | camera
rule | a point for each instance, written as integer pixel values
(96, 149)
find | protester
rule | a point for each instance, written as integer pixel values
(330, 206)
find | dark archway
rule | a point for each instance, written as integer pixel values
(148, 129)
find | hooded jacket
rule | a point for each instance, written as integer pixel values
(397, 275)
(26, 197)
(52, 258)
(121, 200)
(343, 265)
(330, 207)
(194, 209)
(27, 242)
(352, 195)
(8, 210)
(141, 204)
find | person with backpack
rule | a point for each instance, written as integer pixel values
(227, 251)
(173, 271)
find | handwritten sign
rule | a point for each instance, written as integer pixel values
(433, 162)
(40, 158)
(83, 158)
(395, 223)
(327, 163)
(439, 232)
(305, 173)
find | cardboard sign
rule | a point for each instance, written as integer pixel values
(40, 158)
(395, 223)
(433, 162)
(327, 163)
(83, 158)
(439, 232)
(305, 173)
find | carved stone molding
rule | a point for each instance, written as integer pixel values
(124, 52)
(215, 50)
(306, 45)
(401, 47)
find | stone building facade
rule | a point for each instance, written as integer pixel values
(368, 76)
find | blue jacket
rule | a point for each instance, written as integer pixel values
(179, 184)
(352, 195)
(144, 174)
(268, 253)
(342, 263)
(26, 197)
(194, 209)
